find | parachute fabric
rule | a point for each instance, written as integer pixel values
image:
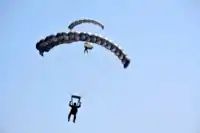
(81, 21)
(45, 45)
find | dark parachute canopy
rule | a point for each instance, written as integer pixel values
(45, 45)
(78, 22)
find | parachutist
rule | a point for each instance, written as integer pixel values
(88, 46)
(74, 110)
(85, 50)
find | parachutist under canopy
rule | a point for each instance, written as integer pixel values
(74, 107)
(74, 110)
(87, 46)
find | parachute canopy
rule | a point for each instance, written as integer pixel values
(81, 21)
(45, 45)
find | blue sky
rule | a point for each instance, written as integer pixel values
(158, 93)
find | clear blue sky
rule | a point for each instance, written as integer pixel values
(158, 93)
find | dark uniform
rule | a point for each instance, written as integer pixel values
(73, 111)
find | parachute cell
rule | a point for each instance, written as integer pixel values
(78, 22)
(45, 45)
